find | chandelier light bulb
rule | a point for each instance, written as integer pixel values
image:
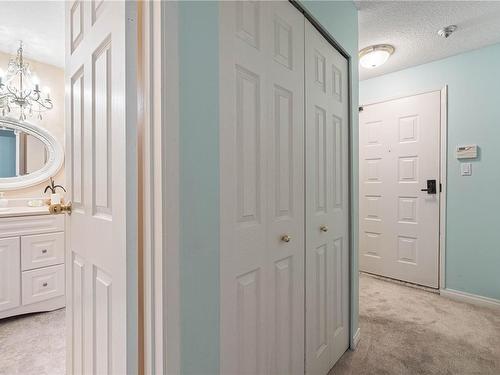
(2, 73)
(46, 91)
(35, 80)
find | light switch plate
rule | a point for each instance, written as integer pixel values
(466, 169)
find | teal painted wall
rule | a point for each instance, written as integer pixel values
(340, 19)
(472, 228)
(7, 153)
(199, 170)
(199, 186)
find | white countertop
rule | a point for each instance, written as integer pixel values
(24, 211)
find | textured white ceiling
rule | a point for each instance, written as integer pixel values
(39, 24)
(411, 27)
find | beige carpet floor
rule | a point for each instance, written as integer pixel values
(404, 331)
(407, 331)
(33, 344)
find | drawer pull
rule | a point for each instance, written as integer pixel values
(45, 284)
(44, 251)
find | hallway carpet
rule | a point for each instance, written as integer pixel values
(407, 331)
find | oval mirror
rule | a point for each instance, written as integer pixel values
(29, 154)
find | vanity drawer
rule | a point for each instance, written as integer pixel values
(42, 284)
(42, 250)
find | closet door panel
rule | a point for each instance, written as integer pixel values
(285, 195)
(262, 195)
(327, 257)
(242, 189)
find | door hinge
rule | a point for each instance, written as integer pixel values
(440, 187)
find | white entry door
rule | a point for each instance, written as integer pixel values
(262, 188)
(327, 203)
(399, 223)
(101, 247)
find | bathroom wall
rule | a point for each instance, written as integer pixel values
(53, 120)
(199, 170)
(472, 228)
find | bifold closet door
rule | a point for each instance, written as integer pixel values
(262, 188)
(327, 206)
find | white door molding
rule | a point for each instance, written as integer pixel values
(159, 187)
(443, 152)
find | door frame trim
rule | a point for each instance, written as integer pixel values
(159, 187)
(353, 335)
(443, 172)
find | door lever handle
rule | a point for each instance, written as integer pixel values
(431, 187)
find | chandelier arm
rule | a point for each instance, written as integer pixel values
(46, 106)
(7, 96)
(36, 95)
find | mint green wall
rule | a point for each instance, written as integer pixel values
(199, 170)
(199, 186)
(472, 228)
(340, 19)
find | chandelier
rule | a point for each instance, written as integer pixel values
(20, 89)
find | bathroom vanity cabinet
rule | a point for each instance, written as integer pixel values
(31, 261)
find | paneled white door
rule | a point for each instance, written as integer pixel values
(327, 203)
(399, 223)
(101, 168)
(262, 188)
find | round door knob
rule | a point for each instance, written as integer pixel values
(323, 228)
(44, 284)
(44, 251)
(286, 238)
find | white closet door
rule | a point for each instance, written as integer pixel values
(327, 240)
(262, 188)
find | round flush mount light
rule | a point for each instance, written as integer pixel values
(374, 56)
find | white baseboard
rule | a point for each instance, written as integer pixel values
(470, 298)
(355, 339)
(42, 306)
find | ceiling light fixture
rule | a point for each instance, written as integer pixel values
(20, 88)
(445, 32)
(374, 56)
